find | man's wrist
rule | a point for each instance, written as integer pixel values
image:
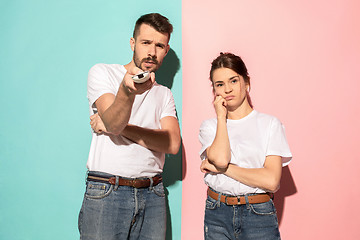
(127, 91)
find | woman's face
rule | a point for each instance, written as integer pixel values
(231, 86)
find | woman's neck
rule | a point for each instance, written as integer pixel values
(242, 111)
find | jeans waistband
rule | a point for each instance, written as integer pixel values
(239, 200)
(142, 182)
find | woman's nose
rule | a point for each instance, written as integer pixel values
(228, 88)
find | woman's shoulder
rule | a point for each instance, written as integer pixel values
(265, 116)
(268, 119)
(208, 122)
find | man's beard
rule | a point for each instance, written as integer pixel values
(139, 62)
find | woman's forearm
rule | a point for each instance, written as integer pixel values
(219, 152)
(266, 178)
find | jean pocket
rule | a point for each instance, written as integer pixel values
(266, 208)
(211, 203)
(159, 190)
(97, 190)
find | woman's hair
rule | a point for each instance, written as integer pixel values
(235, 63)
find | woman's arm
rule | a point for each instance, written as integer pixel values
(219, 153)
(267, 178)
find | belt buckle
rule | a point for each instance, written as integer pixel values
(133, 183)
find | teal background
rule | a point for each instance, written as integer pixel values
(47, 49)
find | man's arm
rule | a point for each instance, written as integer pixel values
(165, 140)
(114, 110)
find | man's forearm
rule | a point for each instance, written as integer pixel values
(117, 115)
(159, 140)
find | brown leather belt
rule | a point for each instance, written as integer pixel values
(135, 182)
(238, 200)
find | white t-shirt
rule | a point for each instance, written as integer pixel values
(252, 138)
(118, 155)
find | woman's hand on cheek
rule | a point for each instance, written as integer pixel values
(220, 106)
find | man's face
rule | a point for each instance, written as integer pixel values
(150, 47)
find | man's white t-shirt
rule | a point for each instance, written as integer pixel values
(118, 155)
(252, 138)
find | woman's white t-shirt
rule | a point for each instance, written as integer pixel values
(252, 138)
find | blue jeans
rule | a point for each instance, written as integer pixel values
(249, 221)
(110, 213)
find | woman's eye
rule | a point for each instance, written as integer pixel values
(234, 81)
(219, 85)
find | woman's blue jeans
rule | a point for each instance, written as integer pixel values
(109, 212)
(245, 222)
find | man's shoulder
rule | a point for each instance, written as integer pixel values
(106, 66)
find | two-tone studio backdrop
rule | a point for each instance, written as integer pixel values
(303, 58)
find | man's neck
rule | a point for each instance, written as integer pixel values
(130, 65)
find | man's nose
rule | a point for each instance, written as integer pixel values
(152, 50)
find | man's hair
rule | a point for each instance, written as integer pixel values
(155, 20)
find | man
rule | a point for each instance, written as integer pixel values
(124, 197)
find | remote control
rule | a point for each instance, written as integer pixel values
(141, 77)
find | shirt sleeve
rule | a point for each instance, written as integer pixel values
(98, 83)
(206, 137)
(277, 144)
(169, 106)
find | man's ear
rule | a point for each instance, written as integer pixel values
(167, 49)
(132, 43)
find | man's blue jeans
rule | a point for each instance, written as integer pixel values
(110, 213)
(245, 222)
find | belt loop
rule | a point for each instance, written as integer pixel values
(247, 201)
(271, 195)
(86, 176)
(116, 183)
(218, 200)
(151, 183)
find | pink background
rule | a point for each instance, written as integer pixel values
(303, 58)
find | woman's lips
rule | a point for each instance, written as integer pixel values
(227, 98)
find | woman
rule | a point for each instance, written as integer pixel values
(242, 154)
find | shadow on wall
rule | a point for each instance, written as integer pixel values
(287, 188)
(172, 173)
(173, 163)
(170, 66)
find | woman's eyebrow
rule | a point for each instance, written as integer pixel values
(236, 76)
